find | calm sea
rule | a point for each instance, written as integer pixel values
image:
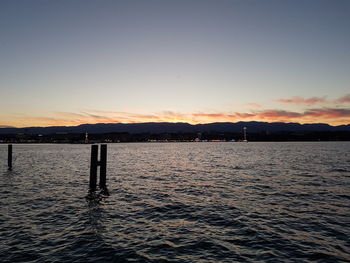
(178, 202)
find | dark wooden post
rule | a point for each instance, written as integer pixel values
(103, 165)
(93, 167)
(9, 156)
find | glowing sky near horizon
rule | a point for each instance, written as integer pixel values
(198, 61)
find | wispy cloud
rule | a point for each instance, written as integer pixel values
(26, 121)
(83, 117)
(332, 115)
(315, 100)
(253, 105)
(300, 100)
(328, 113)
(344, 99)
(278, 114)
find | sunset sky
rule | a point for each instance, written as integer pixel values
(72, 62)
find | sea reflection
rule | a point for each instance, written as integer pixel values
(96, 213)
(183, 202)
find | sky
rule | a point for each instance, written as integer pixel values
(198, 61)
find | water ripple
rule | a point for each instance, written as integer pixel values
(185, 202)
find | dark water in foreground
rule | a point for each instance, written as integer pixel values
(183, 202)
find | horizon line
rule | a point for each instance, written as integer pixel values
(168, 122)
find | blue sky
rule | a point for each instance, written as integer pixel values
(71, 62)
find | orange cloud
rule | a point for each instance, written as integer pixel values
(220, 117)
(278, 114)
(328, 115)
(25, 121)
(213, 115)
(333, 116)
(253, 105)
(83, 117)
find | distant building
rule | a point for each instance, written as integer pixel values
(86, 138)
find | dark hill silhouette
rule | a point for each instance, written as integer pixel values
(165, 127)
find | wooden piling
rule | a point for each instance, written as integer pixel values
(103, 165)
(9, 156)
(93, 167)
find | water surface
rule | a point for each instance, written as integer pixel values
(178, 202)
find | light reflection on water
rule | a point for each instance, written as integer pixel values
(178, 202)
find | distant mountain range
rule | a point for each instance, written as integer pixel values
(166, 127)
